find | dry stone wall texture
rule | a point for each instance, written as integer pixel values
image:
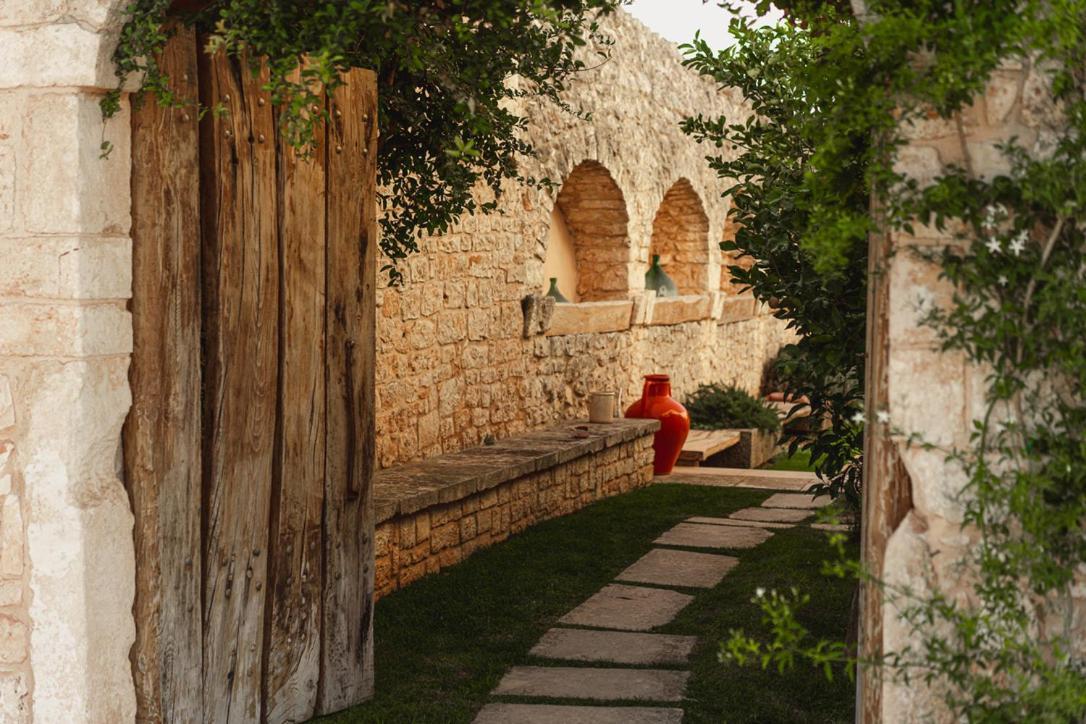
(414, 545)
(453, 363)
(937, 394)
(66, 559)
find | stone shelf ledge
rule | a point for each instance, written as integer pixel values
(738, 308)
(590, 317)
(406, 489)
(676, 310)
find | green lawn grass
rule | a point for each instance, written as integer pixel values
(444, 642)
(800, 461)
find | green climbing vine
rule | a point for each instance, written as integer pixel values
(452, 81)
(834, 93)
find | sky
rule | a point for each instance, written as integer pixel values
(677, 20)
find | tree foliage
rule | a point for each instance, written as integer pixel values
(800, 198)
(452, 75)
(1017, 265)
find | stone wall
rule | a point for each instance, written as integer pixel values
(538, 477)
(453, 364)
(938, 394)
(66, 559)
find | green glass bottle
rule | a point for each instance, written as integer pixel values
(554, 294)
(658, 281)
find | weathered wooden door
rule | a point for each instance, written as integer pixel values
(249, 448)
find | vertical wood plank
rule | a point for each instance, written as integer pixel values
(887, 491)
(347, 630)
(292, 647)
(241, 278)
(162, 432)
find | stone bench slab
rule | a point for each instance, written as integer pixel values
(628, 608)
(553, 714)
(406, 489)
(666, 567)
(564, 682)
(616, 647)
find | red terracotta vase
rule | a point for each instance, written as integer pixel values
(656, 403)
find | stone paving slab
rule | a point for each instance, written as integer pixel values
(693, 535)
(796, 500)
(628, 608)
(566, 682)
(616, 647)
(679, 568)
(835, 527)
(552, 714)
(730, 521)
(772, 515)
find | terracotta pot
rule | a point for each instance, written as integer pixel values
(656, 403)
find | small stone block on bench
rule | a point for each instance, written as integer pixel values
(772, 515)
(666, 567)
(628, 608)
(796, 500)
(555, 714)
(564, 682)
(692, 535)
(615, 647)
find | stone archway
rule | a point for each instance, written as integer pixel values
(680, 236)
(593, 208)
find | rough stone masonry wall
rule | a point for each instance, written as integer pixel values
(411, 546)
(66, 559)
(453, 365)
(936, 393)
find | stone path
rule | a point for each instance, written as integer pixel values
(591, 663)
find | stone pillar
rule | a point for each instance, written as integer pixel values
(66, 556)
(934, 393)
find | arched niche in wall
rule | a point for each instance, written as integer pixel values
(588, 247)
(680, 236)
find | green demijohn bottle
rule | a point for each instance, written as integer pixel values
(554, 294)
(658, 281)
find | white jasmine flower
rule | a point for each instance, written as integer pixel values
(994, 246)
(1003, 280)
(1018, 245)
(859, 417)
(759, 592)
(882, 416)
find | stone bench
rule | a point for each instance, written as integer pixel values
(436, 512)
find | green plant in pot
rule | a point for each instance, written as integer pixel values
(722, 407)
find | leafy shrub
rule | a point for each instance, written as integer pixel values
(718, 406)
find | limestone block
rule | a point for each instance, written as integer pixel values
(590, 317)
(13, 640)
(7, 404)
(920, 382)
(916, 290)
(12, 540)
(676, 310)
(66, 268)
(919, 162)
(1000, 95)
(65, 330)
(11, 594)
(60, 151)
(14, 698)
